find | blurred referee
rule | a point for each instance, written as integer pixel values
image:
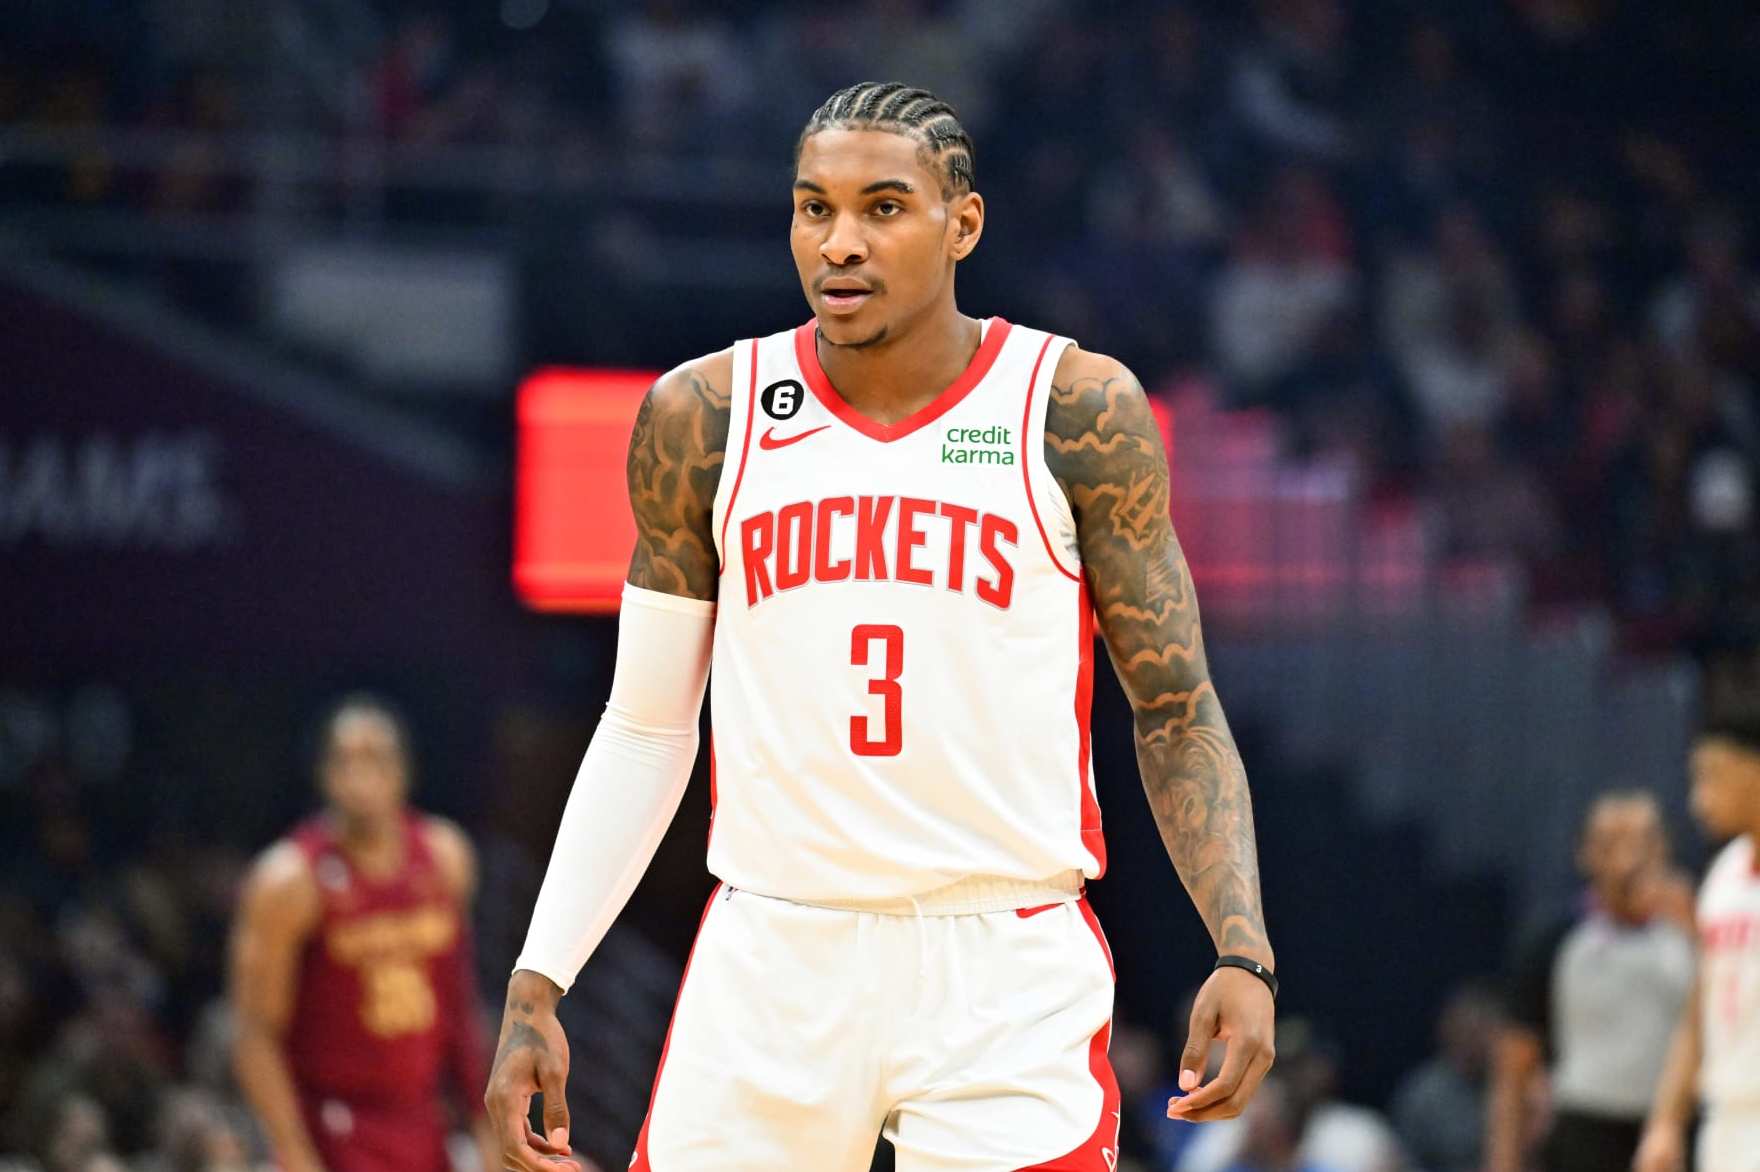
(1593, 1000)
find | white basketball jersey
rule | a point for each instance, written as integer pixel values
(903, 638)
(1729, 971)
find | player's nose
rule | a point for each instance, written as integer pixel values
(844, 244)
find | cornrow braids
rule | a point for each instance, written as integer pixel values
(901, 109)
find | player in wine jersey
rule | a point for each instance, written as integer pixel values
(1716, 1050)
(893, 529)
(351, 969)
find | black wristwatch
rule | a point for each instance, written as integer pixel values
(1252, 966)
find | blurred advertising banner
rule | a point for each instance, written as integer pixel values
(164, 504)
(573, 531)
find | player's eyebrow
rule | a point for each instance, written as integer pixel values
(899, 185)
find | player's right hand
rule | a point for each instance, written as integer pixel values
(531, 1059)
(1663, 1149)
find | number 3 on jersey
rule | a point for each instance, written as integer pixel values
(891, 738)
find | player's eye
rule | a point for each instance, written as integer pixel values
(812, 207)
(888, 207)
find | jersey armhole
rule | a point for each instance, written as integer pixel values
(1052, 513)
(739, 423)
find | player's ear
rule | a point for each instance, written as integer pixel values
(966, 219)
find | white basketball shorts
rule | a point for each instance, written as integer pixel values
(1729, 1139)
(974, 1042)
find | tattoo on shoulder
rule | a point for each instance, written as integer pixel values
(1103, 447)
(1102, 444)
(676, 452)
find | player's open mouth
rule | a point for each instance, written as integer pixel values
(845, 299)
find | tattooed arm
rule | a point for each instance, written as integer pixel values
(675, 457)
(1106, 452)
(639, 762)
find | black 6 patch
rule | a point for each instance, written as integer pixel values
(782, 400)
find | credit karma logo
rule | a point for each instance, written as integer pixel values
(978, 445)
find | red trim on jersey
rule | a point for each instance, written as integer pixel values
(1027, 463)
(711, 835)
(806, 352)
(746, 446)
(1099, 1152)
(1093, 838)
(639, 1161)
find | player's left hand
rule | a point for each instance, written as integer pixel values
(1234, 1007)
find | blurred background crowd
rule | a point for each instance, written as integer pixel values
(1455, 306)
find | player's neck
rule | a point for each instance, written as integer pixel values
(373, 847)
(894, 378)
(1610, 903)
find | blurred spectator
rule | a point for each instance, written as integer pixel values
(1271, 1130)
(1535, 428)
(1177, 60)
(682, 78)
(803, 57)
(195, 1135)
(1487, 506)
(1438, 131)
(1593, 999)
(1332, 1135)
(413, 74)
(1335, 1134)
(1439, 1108)
(72, 1135)
(920, 40)
(1683, 543)
(1288, 87)
(1158, 196)
(1146, 1135)
(1713, 306)
(1287, 282)
(1447, 314)
(23, 1021)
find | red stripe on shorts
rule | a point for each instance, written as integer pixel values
(1099, 1152)
(639, 1161)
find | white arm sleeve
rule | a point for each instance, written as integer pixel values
(630, 781)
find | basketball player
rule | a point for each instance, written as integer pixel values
(1716, 1050)
(892, 529)
(351, 968)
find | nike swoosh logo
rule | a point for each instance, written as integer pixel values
(770, 443)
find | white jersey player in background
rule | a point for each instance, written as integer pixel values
(892, 530)
(1716, 1050)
